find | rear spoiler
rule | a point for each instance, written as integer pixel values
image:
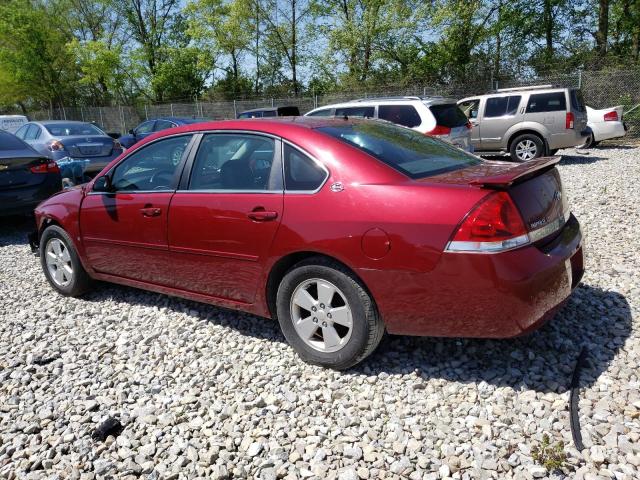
(516, 174)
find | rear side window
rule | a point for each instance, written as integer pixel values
(577, 100)
(301, 173)
(414, 154)
(547, 102)
(33, 133)
(405, 115)
(320, 113)
(363, 112)
(269, 113)
(448, 115)
(502, 106)
(10, 142)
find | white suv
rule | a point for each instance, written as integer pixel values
(436, 116)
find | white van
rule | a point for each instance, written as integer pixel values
(11, 123)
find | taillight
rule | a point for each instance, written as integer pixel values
(569, 120)
(611, 116)
(55, 146)
(439, 130)
(468, 125)
(494, 225)
(48, 167)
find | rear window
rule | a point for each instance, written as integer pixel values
(577, 100)
(365, 112)
(288, 111)
(69, 129)
(409, 152)
(547, 102)
(448, 115)
(405, 115)
(501, 106)
(11, 142)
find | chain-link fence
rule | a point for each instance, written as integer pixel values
(601, 89)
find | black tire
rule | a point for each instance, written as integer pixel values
(79, 281)
(367, 326)
(589, 142)
(527, 139)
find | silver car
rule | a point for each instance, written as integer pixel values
(526, 122)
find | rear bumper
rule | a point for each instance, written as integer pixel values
(484, 296)
(608, 130)
(18, 201)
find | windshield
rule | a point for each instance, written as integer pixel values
(69, 129)
(449, 115)
(411, 153)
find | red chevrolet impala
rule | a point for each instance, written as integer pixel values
(340, 229)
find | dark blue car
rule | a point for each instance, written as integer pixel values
(151, 126)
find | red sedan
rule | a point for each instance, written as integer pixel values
(340, 229)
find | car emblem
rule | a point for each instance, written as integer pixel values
(336, 187)
(3, 167)
(538, 223)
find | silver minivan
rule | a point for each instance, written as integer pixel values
(526, 122)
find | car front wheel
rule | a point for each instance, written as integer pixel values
(326, 314)
(61, 264)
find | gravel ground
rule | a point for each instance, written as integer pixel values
(208, 393)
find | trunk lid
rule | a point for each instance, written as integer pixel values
(15, 169)
(88, 146)
(535, 187)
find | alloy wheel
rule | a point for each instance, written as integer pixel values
(58, 262)
(526, 150)
(321, 315)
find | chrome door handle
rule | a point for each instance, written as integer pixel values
(262, 215)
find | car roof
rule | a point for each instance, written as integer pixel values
(54, 122)
(178, 119)
(262, 109)
(365, 102)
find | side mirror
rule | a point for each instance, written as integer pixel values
(103, 184)
(114, 135)
(132, 131)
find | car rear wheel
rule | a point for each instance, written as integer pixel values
(526, 147)
(326, 314)
(61, 264)
(590, 142)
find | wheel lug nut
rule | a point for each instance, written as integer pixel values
(328, 315)
(315, 320)
(313, 309)
(322, 305)
(324, 324)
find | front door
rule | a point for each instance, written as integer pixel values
(224, 217)
(124, 230)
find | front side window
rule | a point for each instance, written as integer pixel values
(22, 131)
(362, 112)
(502, 106)
(405, 115)
(145, 127)
(270, 113)
(227, 161)
(547, 102)
(470, 108)
(154, 167)
(163, 125)
(301, 173)
(414, 154)
(326, 112)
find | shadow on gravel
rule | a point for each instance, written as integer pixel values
(594, 318)
(580, 159)
(14, 230)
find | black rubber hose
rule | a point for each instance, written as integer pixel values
(573, 401)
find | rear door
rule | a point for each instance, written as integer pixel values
(548, 109)
(579, 109)
(124, 231)
(361, 111)
(498, 115)
(225, 215)
(471, 109)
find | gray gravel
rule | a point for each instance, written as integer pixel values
(209, 393)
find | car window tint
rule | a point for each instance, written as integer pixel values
(269, 113)
(501, 106)
(411, 153)
(291, 111)
(448, 115)
(365, 112)
(405, 115)
(154, 167)
(22, 131)
(162, 125)
(236, 162)
(145, 127)
(301, 173)
(10, 142)
(320, 113)
(71, 129)
(547, 102)
(577, 100)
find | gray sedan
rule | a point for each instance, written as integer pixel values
(79, 148)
